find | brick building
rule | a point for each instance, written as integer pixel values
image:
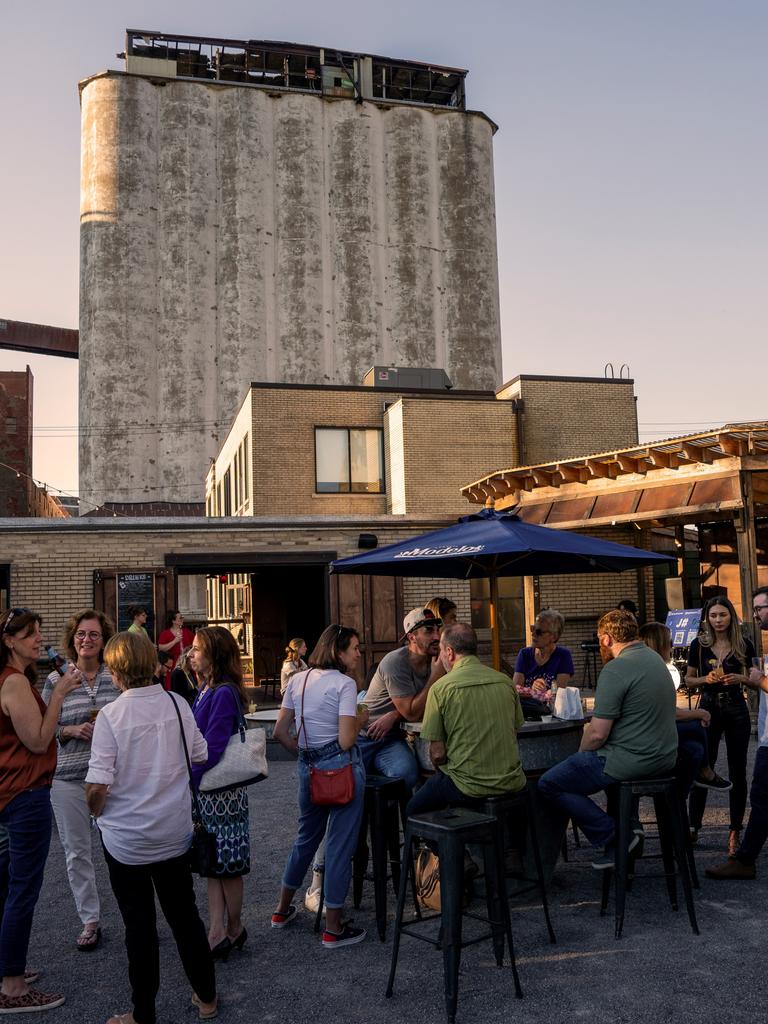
(19, 495)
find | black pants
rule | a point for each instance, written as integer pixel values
(757, 826)
(134, 886)
(730, 719)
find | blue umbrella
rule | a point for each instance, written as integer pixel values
(490, 544)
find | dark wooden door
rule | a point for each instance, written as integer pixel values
(106, 594)
(373, 605)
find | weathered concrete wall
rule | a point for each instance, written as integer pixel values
(229, 235)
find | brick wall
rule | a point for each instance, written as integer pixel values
(584, 598)
(434, 444)
(566, 417)
(16, 493)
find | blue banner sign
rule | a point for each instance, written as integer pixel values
(684, 626)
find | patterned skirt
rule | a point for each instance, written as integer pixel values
(226, 816)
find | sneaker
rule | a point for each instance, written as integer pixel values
(32, 1000)
(608, 859)
(732, 868)
(281, 920)
(347, 937)
(716, 782)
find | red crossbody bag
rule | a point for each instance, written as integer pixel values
(327, 786)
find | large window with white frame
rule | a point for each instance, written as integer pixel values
(349, 460)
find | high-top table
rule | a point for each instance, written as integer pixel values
(542, 745)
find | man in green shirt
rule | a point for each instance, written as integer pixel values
(632, 734)
(470, 719)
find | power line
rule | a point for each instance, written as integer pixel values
(49, 487)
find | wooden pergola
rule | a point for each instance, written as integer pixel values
(699, 478)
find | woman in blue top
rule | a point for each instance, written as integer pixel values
(544, 665)
(215, 659)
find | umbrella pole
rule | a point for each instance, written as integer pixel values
(495, 631)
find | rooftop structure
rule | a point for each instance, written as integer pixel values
(280, 65)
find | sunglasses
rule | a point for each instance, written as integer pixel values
(12, 615)
(537, 631)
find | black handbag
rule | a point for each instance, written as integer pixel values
(203, 854)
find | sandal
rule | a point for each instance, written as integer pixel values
(206, 1011)
(89, 939)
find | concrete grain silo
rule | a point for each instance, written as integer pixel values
(269, 212)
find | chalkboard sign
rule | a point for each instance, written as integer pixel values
(136, 588)
(684, 626)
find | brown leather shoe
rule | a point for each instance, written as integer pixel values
(732, 868)
(734, 841)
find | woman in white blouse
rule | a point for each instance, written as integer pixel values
(137, 787)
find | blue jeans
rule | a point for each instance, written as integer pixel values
(342, 823)
(440, 791)
(391, 757)
(569, 786)
(757, 826)
(27, 819)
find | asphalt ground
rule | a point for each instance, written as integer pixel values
(658, 971)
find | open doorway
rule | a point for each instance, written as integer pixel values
(286, 601)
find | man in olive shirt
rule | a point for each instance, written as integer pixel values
(471, 719)
(632, 734)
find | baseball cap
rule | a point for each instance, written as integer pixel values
(417, 617)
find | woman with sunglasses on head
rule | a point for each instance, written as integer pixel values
(27, 765)
(218, 709)
(85, 636)
(719, 662)
(322, 701)
(544, 665)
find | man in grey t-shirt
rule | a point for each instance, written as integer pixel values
(398, 692)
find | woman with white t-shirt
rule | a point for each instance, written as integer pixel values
(323, 700)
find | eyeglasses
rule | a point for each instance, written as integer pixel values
(759, 608)
(12, 615)
(81, 634)
(538, 631)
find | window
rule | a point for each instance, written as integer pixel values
(349, 461)
(511, 610)
(227, 511)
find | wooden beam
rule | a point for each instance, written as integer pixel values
(571, 474)
(664, 460)
(599, 469)
(543, 478)
(731, 445)
(697, 453)
(627, 464)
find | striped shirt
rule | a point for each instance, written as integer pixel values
(73, 755)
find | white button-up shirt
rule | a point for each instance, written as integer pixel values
(137, 752)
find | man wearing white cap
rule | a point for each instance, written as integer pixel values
(398, 692)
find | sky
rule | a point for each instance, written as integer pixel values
(631, 159)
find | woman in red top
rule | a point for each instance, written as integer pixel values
(27, 764)
(174, 639)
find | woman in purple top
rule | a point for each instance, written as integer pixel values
(218, 707)
(544, 665)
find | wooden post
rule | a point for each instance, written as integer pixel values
(495, 628)
(746, 550)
